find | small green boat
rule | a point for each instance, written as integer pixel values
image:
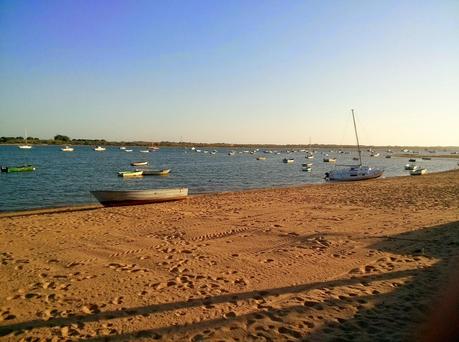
(23, 168)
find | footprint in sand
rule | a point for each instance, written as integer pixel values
(6, 315)
(117, 300)
(90, 309)
(130, 268)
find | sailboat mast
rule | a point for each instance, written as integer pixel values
(357, 138)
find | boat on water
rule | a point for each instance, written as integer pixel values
(139, 163)
(411, 167)
(412, 160)
(374, 155)
(418, 171)
(144, 151)
(388, 156)
(129, 197)
(354, 172)
(306, 165)
(329, 160)
(153, 148)
(22, 168)
(99, 149)
(307, 169)
(127, 150)
(288, 160)
(426, 158)
(130, 174)
(261, 158)
(231, 153)
(163, 172)
(122, 147)
(67, 149)
(25, 146)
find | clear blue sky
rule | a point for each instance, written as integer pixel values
(231, 71)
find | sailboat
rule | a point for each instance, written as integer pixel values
(25, 146)
(354, 172)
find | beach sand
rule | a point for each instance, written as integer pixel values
(365, 260)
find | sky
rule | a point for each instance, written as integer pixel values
(232, 71)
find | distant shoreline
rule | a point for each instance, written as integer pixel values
(226, 145)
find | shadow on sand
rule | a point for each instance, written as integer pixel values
(396, 315)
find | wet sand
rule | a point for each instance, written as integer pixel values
(361, 260)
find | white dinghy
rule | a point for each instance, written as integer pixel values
(129, 197)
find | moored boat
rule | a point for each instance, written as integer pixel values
(139, 163)
(261, 158)
(129, 197)
(418, 171)
(412, 160)
(144, 151)
(329, 160)
(26, 146)
(354, 172)
(288, 160)
(99, 149)
(67, 149)
(306, 165)
(163, 172)
(411, 167)
(22, 168)
(130, 174)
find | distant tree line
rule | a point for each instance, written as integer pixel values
(60, 139)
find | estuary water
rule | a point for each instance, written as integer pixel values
(66, 178)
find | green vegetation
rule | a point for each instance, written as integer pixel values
(60, 139)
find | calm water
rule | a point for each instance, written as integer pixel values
(65, 178)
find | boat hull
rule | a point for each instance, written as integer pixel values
(353, 174)
(27, 168)
(131, 197)
(359, 178)
(155, 172)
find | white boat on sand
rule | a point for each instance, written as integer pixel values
(129, 197)
(354, 172)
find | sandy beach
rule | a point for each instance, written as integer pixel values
(366, 260)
